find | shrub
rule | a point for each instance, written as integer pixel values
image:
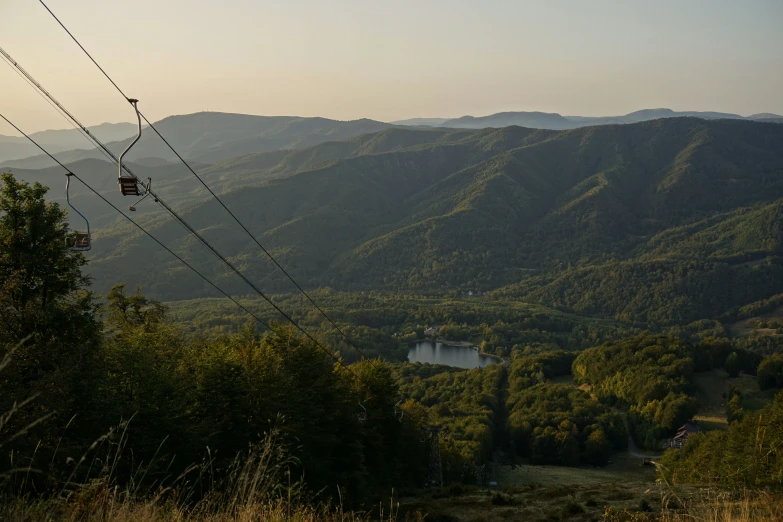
(456, 490)
(572, 508)
(501, 499)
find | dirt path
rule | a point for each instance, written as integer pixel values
(634, 451)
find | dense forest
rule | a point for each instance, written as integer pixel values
(557, 423)
(464, 403)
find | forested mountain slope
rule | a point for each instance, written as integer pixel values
(639, 222)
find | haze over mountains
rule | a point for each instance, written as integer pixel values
(554, 121)
(16, 147)
(211, 136)
(208, 137)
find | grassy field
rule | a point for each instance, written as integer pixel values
(712, 391)
(712, 388)
(548, 493)
(744, 327)
(552, 493)
(752, 397)
(533, 503)
(564, 379)
(623, 468)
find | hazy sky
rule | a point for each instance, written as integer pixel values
(388, 60)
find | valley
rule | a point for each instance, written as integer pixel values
(618, 282)
(391, 262)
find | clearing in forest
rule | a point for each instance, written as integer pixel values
(745, 326)
(712, 391)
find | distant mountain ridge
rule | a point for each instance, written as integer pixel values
(211, 137)
(554, 121)
(214, 136)
(17, 147)
(533, 120)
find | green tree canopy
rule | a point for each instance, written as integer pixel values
(770, 372)
(43, 300)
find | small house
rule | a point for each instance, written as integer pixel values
(429, 332)
(683, 432)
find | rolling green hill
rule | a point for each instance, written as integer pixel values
(665, 221)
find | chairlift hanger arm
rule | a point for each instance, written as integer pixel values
(134, 223)
(217, 198)
(132, 178)
(82, 242)
(129, 186)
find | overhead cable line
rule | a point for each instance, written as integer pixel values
(69, 172)
(255, 240)
(27, 76)
(174, 214)
(9, 61)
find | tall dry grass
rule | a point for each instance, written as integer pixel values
(257, 487)
(709, 505)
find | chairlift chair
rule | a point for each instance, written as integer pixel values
(398, 412)
(129, 185)
(363, 414)
(81, 241)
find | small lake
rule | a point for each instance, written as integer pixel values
(439, 353)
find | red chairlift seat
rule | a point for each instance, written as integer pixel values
(81, 241)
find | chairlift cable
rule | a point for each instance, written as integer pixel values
(13, 65)
(65, 113)
(71, 173)
(255, 240)
(42, 90)
(206, 243)
(184, 223)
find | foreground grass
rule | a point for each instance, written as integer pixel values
(609, 503)
(111, 509)
(545, 494)
(628, 502)
(256, 486)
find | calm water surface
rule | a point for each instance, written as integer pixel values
(439, 353)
